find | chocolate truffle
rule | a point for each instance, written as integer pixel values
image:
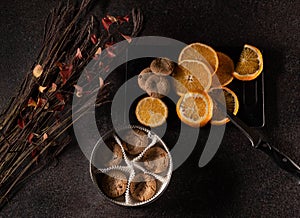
(162, 66)
(156, 160)
(157, 86)
(135, 141)
(142, 187)
(114, 183)
(143, 76)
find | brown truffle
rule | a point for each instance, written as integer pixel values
(117, 155)
(114, 184)
(142, 187)
(143, 76)
(156, 160)
(162, 66)
(157, 86)
(135, 141)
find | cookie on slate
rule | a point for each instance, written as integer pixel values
(162, 66)
(143, 77)
(157, 86)
(114, 183)
(156, 160)
(142, 187)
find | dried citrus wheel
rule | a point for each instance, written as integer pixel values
(192, 76)
(250, 64)
(223, 75)
(195, 109)
(151, 112)
(232, 104)
(200, 52)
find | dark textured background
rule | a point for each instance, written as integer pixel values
(239, 181)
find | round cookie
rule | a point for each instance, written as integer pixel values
(143, 77)
(135, 141)
(156, 160)
(157, 86)
(162, 66)
(142, 187)
(117, 155)
(114, 184)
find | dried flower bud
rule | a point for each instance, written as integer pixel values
(53, 88)
(37, 71)
(79, 91)
(162, 66)
(42, 89)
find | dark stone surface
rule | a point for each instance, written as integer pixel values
(239, 181)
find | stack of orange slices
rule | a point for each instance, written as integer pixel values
(200, 79)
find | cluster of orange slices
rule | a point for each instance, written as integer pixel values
(200, 80)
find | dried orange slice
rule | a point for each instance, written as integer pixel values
(223, 94)
(250, 64)
(195, 109)
(192, 76)
(200, 52)
(223, 75)
(151, 112)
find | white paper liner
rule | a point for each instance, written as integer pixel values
(134, 166)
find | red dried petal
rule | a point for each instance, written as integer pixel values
(79, 91)
(110, 53)
(110, 49)
(65, 73)
(123, 19)
(31, 102)
(33, 153)
(41, 102)
(106, 69)
(78, 54)
(126, 18)
(94, 39)
(88, 76)
(106, 22)
(30, 137)
(59, 107)
(21, 123)
(60, 97)
(53, 88)
(128, 38)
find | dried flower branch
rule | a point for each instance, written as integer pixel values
(34, 126)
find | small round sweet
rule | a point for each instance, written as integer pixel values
(114, 183)
(143, 76)
(156, 160)
(142, 187)
(157, 86)
(136, 141)
(162, 66)
(117, 155)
